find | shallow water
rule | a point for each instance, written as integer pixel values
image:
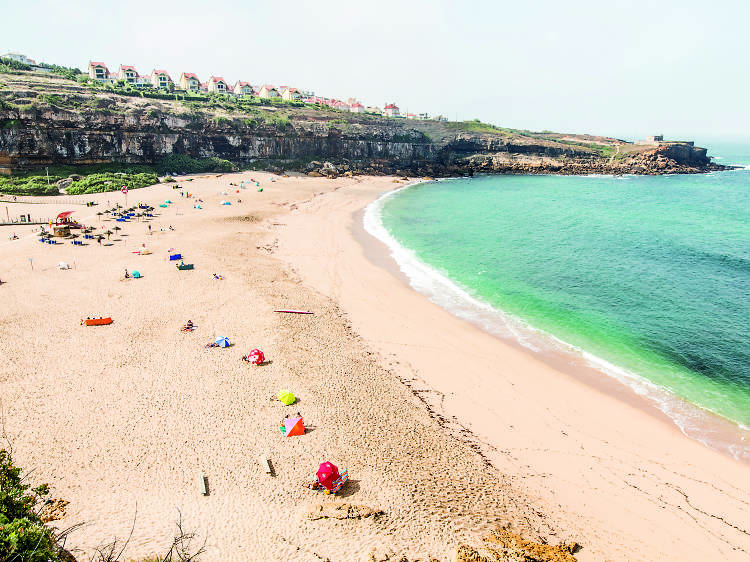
(650, 276)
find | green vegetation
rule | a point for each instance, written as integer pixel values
(23, 535)
(180, 163)
(33, 185)
(99, 183)
(8, 65)
(475, 126)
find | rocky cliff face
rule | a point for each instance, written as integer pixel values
(34, 137)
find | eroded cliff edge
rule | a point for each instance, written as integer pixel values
(47, 121)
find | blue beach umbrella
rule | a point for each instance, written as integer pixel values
(223, 342)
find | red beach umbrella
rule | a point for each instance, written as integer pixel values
(326, 474)
(256, 357)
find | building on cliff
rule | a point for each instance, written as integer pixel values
(243, 89)
(217, 85)
(127, 73)
(99, 71)
(391, 110)
(291, 94)
(18, 57)
(161, 79)
(189, 82)
(267, 91)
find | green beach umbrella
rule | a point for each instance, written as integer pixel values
(286, 397)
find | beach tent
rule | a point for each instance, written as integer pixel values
(167, 201)
(63, 265)
(62, 218)
(327, 475)
(136, 274)
(294, 426)
(223, 342)
(256, 357)
(286, 397)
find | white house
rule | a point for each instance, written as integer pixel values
(99, 71)
(19, 58)
(243, 89)
(189, 82)
(357, 107)
(127, 73)
(291, 94)
(391, 110)
(160, 79)
(267, 91)
(217, 85)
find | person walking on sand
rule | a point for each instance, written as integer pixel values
(149, 229)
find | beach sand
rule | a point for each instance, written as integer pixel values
(445, 429)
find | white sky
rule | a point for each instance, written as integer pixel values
(617, 67)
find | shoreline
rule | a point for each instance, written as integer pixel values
(602, 442)
(709, 428)
(449, 445)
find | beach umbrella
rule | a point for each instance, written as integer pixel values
(327, 474)
(256, 357)
(223, 342)
(116, 228)
(294, 426)
(286, 397)
(99, 214)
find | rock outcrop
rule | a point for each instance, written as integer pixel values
(116, 129)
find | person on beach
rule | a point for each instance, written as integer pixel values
(127, 275)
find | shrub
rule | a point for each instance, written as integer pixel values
(23, 535)
(33, 185)
(111, 181)
(10, 64)
(181, 163)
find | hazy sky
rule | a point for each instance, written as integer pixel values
(625, 68)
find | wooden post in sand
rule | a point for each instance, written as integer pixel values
(265, 465)
(203, 484)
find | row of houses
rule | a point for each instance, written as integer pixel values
(189, 82)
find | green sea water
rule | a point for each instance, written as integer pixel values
(650, 274)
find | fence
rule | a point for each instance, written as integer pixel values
(51, 200)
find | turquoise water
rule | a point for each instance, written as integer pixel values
(651, 274)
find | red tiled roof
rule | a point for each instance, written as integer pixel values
(357, 104)
(243, 84)
(391, 106)
(269, 87)
(97, 64)
(190, 75)
(215, 79)
(155, 71)
(123, 67)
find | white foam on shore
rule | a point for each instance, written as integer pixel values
(694, 422)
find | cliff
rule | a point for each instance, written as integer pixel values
(47, 120)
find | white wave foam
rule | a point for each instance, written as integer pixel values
(438, 288)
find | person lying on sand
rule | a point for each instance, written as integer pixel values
(219, 277)
(212, 344)
(188, 327)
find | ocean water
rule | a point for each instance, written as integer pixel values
(647, 278)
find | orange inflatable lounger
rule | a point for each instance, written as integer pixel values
(98, 321)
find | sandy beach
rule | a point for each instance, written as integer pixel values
(120, 420)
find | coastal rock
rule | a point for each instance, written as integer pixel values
(314, 174)
(341, 510)
(64, 183)
(504, 545)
